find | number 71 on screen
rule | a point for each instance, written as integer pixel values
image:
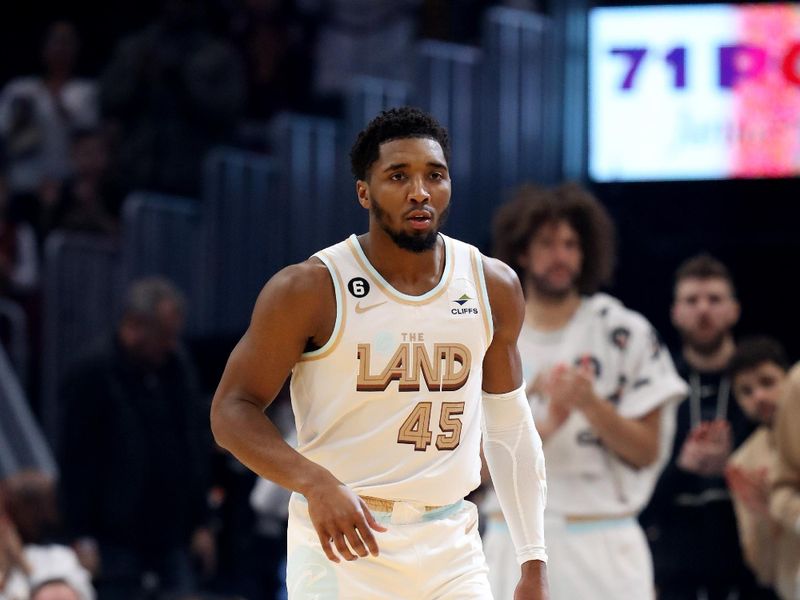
(735, 63)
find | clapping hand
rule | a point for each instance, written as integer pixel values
(707, 448)
(571, 387)
(750, 486)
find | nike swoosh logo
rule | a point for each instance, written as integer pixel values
(362, 309)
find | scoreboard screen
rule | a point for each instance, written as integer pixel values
(708, 91)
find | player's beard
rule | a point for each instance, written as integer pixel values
(544, 289)
(418, 242)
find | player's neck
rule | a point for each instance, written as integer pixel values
(547, 313)
(710, 362)
(413, 273)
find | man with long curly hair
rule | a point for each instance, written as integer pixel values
(602, 389)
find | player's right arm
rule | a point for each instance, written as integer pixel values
(511, 445)
(296, 306)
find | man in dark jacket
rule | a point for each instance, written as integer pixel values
(690, 521)
(135, 451)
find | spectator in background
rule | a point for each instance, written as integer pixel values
(29, 499)
(135, 451)
(19, 284)
(360, 37)
(758, 373)
(253, 514)
(19, 253)
(37, 114)
(271, 39)
(265, 563)
(88, 201)
(784, 501)
(603, 394)
(690, 521)
(171, 92)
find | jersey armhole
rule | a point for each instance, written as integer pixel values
(483, 295)
(338, 326)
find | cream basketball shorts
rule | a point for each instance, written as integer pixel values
(426, 554)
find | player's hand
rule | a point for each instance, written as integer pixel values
(533, 582)
(342, 521)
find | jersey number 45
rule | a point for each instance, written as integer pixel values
(416, 429)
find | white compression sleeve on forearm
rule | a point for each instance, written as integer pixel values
(513, 450)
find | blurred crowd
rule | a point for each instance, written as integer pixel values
(200, 74)
(145, 506)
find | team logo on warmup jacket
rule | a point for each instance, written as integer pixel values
(462, 309)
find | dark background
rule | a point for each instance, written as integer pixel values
(751, 225)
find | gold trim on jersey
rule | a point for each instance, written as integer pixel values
(340, 297)
(443, 284)
(483, 292)
(387, 506)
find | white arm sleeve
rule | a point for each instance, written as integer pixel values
(513, 450)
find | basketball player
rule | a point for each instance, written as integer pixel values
(603, 393)
(400, 342)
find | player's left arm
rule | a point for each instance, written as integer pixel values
(511, 444)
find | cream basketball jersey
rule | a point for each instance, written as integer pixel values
(391, 404)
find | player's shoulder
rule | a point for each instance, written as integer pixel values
(505, 295)
(499, 274)
(297, 286)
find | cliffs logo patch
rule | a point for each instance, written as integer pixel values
(463, 310)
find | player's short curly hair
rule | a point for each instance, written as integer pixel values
(517, 221)
(394, 124)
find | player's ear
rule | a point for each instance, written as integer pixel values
(362, 191)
